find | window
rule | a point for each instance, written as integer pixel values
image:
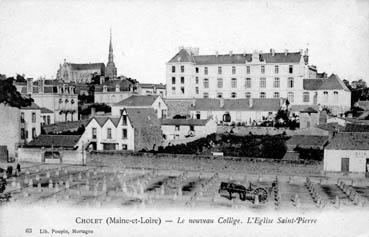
(206, 70)
(335, 96)
(33, 133)
(23, 135)
(262, 82)
(173, 90)
(248, 83)
(248, 95)
(182, 68)
(233, 95)
(182, 90)
(290, 82)
(276, 69)
(220, 83)
(220, 95)
(262, 69)
(206, 95)
(290, 97)
(33, 117)
(173, 68)
(276, 95)
(182, 80)
(276, 83)
(197, 80)
(234, 83)
(197, 70)
(325, 96)
(124, 133)
(108, 133)
(124, 147)
(22, 117)
(290, 69)
(219, 70)
(197, 90)
(248, 69)
(262, 95)
(306, 97)
(94, 133)
(206, 83)
(176, 128)
(124, 120)
(173, 80)
(192, 128)
(233, 70)
(48, 119)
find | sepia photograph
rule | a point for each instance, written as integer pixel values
(184, 118)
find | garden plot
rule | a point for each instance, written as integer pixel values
(148, 187)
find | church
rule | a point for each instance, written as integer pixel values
(84, 72)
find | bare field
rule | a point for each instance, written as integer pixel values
(122, 186)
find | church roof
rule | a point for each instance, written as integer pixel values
(333, 82)
(87, 66)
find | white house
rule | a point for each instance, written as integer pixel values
(235, 110)
(47, 116)
(152, 89)
(30, 119)
(135, 129)
(174, 129)
(347, 152)
(141, 101)
(113, 91)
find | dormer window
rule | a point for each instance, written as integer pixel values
(72, 101)
(66, 101)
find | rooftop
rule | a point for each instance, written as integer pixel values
(62, 141)
(267, 104)
(46, 111)
(307, 141)
(188, 122)
(87, 66)
(333, 82)
(33, 106)
(142, 117)
(137, 100)
(349, 141)
(149, 85)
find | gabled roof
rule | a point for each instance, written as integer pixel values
(333, 82)
(349, 141)
(64, 141)
(33, 106)
(188, 122)
(46, 111)
(142, 117)
(101, 120)
(124, 85)
(267, 104)
(182, 56)
(137, 100)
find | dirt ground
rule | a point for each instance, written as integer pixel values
(123, 186)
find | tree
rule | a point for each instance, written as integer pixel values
(20, 78)
(10, 96)
(359, 84)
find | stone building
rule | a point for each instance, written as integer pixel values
(135, 129)
(56, 96)
(30, 119)
(113, 91)
(257, 75)
(151, 89)
(79, 72)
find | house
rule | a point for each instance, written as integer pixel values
(65, 149)
(174, 129)
(10, 135)
(30, 119)
(141, 101)
(347, 152)
(316, 142)
(235, 110)
(113, 91)
(135, 129)
(309, 117)
(47, 116)
(152, 89)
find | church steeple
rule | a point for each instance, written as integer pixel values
(111, 70)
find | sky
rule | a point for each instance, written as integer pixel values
(37, 35)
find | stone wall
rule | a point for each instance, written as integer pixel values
(9, 128)
(74, 157)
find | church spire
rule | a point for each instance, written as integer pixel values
(110, 59)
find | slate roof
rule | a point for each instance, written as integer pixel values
(307, 141)
(267, 104)
(101, 120)
(87, 66)
(33, 106)
(188, 122)
(65, 141)
(299, 108)
(149, 85)
(142, 117)
(137, 100)
(333, 82)
(46, 111)
(178, 106)
(124, 85)
(184, 56)
(349, 141)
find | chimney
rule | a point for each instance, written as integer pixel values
(93, 112)
(216, 53)
(244, 53)
(272, 51)
(102, 79)
(221, 103)
(306, 52)
(251, 102)
(285, 51)
(117, 88)
(230, 53)
(40, 84)
(29, 85)
(301, 51)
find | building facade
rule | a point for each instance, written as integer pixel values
(30, 119)
(256, 75)
(152, 89)
(56, 96)
(79, 72)
(113, 91)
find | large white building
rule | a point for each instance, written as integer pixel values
(257, 75)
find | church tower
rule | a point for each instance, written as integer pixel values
(110, 70)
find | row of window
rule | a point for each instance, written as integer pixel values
(182, 90)
(24, 133)
(66, 101)
(33, 117)
(109, 132)
(262, 82)
(248, 69)
(174, 80)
